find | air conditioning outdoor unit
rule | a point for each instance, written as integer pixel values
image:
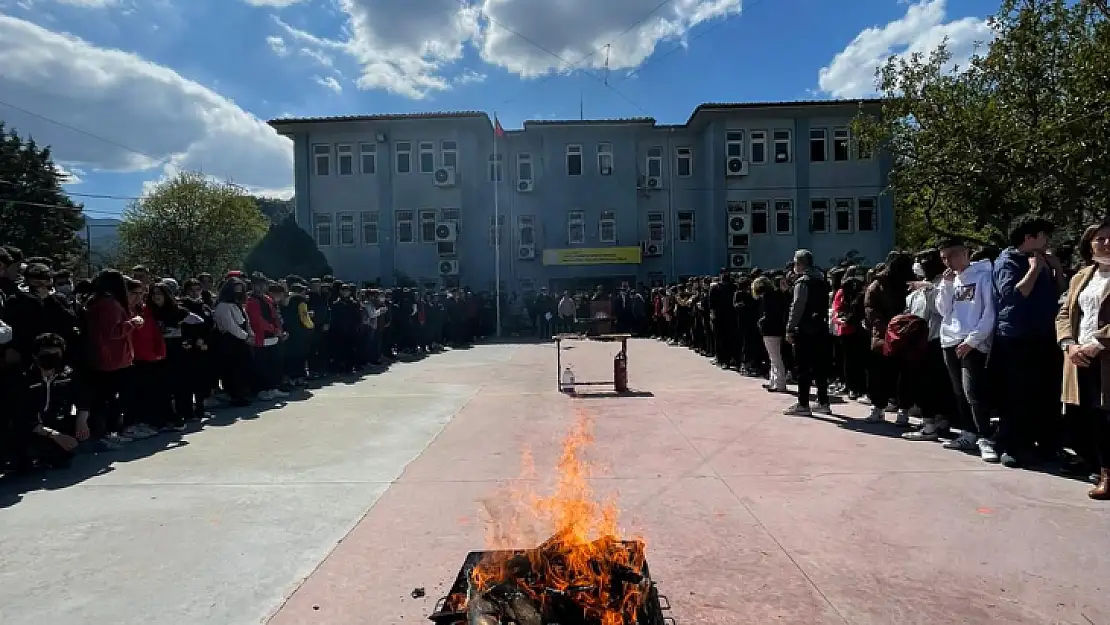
(448, 267)
(738, 259)
(736, 166)
(526, 252)
(525, 186)
(444, 177)
(738, 224)
(651, 249)
(654, 182)
(447, 231)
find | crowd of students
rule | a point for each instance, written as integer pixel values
(1001, 353)
(106, 361)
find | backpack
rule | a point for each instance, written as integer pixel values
(907, 336)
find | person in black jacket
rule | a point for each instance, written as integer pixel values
(346, 317)
(772, 326)
(197, 361)
(807, 329)
(722, 319)
(47, 431)
(38, 310)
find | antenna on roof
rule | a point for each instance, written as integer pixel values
(581, 105)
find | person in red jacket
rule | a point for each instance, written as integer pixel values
(110, 324)
(265, 323)
(151, 399)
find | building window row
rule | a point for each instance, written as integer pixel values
(844, 215)
(339, 159)
(760, 148)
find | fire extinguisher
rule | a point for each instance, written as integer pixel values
(620, 372)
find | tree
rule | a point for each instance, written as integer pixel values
(36, 215)
(190, 225)
(287, 249)
(274, 209)
(1025, 128)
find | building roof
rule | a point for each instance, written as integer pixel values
(707, 107)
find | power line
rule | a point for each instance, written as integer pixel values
(80, 209)
(94, 196)
(80, 131)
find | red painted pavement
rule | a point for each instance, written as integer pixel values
(750, 516)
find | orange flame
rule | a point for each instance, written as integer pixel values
(580, 558)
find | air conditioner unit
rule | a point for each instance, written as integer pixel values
(448, 267)
(525, 186)
(739, 260)
(444, 177)
(654, 182)
(447, 231)
(736, 166)
(651, 249)
(526, 252)
(738, 224)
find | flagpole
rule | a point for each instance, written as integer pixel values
(500, 171)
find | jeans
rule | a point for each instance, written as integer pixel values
(778, 367)
(968, 376)
(811, 354)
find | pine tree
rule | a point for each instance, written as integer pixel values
(36, 215)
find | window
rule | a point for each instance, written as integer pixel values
(496, 230)
(604, 158)
(655, 162)
(818, 145)
(428, 226)
(574, 160)
(607, 227)
(345, 157)
(734, 143)
(784, 216)
(496, 167)
(404, 227)
(369, 221)
(403, 149)
(841, 141)
(684, 161)
(759, 146)
(782, 146)
(528, 284)
(446, 248)
(449, 154)
(321, 225)
(686, 226)
(576, 227)
(450, 214)
(368, 155)
(524, 166)
(346, 228)
(843, 214)
(818, 215)
(427, 157)
(526, 224)
(867, 215)
(759, 217)
(321, 156)
(657, 227)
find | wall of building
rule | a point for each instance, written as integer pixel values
(797, 187)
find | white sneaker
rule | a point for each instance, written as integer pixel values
(875, 416)
(986, 450)
(966, 441)
(892, 408)
(930, 431)
(135, 432)
(822, 409)
(797, 410)
(903, 420)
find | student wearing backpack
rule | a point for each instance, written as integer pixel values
(884, 301)
(965, 300)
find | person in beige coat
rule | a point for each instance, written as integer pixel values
(1083, 332)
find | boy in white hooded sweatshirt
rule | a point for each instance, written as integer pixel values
(965, 301)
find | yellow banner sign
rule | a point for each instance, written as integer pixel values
(593, 256)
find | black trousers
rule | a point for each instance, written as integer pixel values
(110, 396)
(812, 354)
(235, 366)
(1095, 417)
(153, 393)
(724, 337)
(1029, 420)
(855, 349)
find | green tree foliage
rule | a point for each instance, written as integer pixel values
(190, 225)
(36, 215)
(274, 209)
(1025, 128)
(287, 249)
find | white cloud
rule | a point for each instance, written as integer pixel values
(277, 4)
(70, 175)
(407, 47)
(469, 77)
(143, 115)
(329, 82)
(277, 44)
(851, 73)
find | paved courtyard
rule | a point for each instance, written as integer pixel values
(331, 511)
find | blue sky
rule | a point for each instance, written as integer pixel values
(127, 91)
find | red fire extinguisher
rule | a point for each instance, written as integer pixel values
(620, 372)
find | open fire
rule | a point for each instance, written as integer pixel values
(582, 575)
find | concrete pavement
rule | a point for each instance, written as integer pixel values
(750, 516)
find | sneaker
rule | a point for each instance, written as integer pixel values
(265, 395)
(211, 402)
(864, 399)
(117, 439)
(986, 450)
(903, 420)
(797, 410)
(892, 408)
(875, 416)
(135, 433)
(1010, 460)
(930, 431)
(823, 409)
(278, 393)
(964, 442)
(174, 427)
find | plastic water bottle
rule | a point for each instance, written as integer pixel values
(567, 381)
